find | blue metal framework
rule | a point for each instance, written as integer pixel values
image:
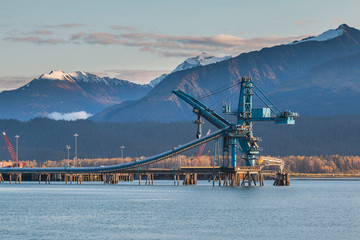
(236, 135)
(240, 134)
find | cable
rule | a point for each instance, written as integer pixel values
(227, 99)
(218, 91)
(272, 105)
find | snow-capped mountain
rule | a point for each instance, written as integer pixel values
(313, 77)
(67, 93)
(330, 34)
(157, 80)
(83, 77)
(201, 60)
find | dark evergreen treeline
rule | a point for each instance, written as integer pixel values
(325, 135)
(44, 139)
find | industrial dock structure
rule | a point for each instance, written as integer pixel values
(235, 137)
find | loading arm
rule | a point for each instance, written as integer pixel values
(202, 110)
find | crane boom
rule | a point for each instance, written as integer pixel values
(11, 150)
(202, 110)
(241, 132)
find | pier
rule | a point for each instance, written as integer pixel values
(234, 137)
(221, 176)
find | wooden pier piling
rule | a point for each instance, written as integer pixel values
(48, 178)
(18, 178)
(282, 179)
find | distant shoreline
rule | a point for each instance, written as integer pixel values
(323, 176)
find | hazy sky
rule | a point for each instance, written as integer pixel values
(139, 40)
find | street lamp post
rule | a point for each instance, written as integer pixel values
(76, 135)
(17, 149)
(122, 151)
(68, 152)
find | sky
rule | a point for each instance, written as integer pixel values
(138, 40)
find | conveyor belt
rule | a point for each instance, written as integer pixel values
(123, 166)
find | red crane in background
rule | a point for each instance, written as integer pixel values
(11, 150)
(201, 149)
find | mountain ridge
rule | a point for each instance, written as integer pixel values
(66, 93)
(271, 68)
(201, 60)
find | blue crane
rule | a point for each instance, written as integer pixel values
(240, 134)
(235, 135)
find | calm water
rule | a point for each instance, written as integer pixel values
(305, 210)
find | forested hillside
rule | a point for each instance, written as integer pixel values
(43, 139)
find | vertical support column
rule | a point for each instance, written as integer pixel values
(243, 180)
(79, 180)
(152, 179)
(233, 153)
(18, 178)
(186, 179)
(254, 178)
(226, 180)
(261, 179)
(287, 179)
(48, 177)
(139, 178)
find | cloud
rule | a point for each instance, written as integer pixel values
(183, 46)
(69, 116)
(161, 44)
(10, 83)
(123, 28)
(36, 40)
(42, 32)
(99, 38)
(66, 25)
(138, 76)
